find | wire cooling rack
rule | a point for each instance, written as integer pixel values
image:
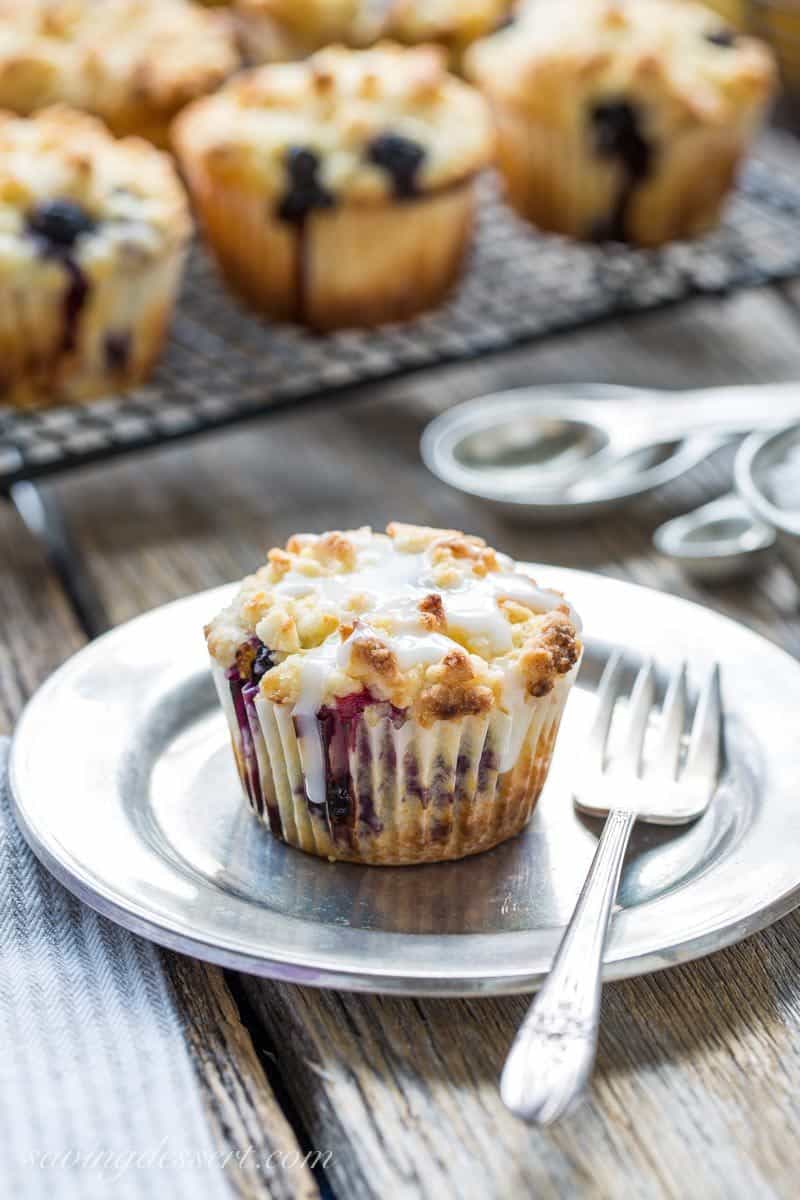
(223, 365)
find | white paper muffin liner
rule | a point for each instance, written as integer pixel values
(353, 265)
(553, 179)
(397, 793)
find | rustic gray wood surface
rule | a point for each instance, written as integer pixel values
(697, 1090)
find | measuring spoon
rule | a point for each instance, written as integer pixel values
(561, 451)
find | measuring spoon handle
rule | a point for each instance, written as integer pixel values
(727, 411)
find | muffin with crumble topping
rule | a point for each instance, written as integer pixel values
(778, 22)
(92, 241)
(339, 191)
(281, 30)
(393, 699)
(454, 24)
(285, 30)
(134, 63)
(622, 120)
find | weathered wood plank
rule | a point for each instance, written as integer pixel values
(694, 1092)
(249, 1125)
(37, 632)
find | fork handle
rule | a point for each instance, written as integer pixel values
(554, 1051)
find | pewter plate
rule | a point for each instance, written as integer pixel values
(125, 788)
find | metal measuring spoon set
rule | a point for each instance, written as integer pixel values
(561, 452)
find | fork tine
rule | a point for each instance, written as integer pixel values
(703, 759)
(607, 693)
(641, 703)
(673, 719)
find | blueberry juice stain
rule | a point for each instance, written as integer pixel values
(617, 136)
(74, 300)
(253, 660)
(117, 351)
(56, 225)
(304, 193)
(400, 157)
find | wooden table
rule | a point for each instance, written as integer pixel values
(696, 1092)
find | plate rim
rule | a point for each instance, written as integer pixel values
(131, 914)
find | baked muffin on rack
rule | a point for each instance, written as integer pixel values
(338, 191)
(777, 22)
(134, 63)
(282, 30)
(393, 699)
(285, 30)
(622, 119)
(454, 24)
(92, 241)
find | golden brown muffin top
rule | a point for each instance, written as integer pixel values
(105, 191)
(316, 23)
(103, 55)
(459, 21)
(360, 125)
(678, 54)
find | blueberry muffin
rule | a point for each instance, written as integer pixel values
(777, 21)
(134, 63)
(286, 30)
(622, 120)
(92, 239)
(454, 24)
(338, 191)
(282, 30)
(393, 699)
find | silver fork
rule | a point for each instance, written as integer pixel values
(553, 1053)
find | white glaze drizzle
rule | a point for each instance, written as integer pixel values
(393, 584)
(315, 668)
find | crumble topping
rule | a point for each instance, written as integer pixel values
(456, 21)
(679, 56)
(654, 51)
(429, 620)
(359, 125)
(300, 26)
(104, 55)
(67, 187)
(292, 27)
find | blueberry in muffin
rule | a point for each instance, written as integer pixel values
(726, 38)
(59, 223)
(304, 191)
(401, 158)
